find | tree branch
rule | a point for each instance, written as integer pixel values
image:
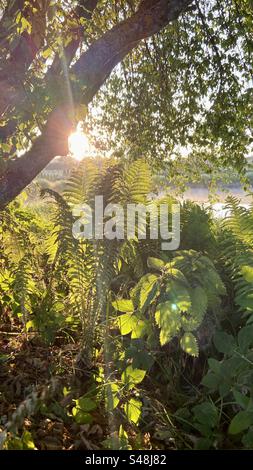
(84, 9)
(92, 68)
(21, 57)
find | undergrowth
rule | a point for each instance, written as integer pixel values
(133, 347)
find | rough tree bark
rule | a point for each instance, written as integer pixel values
(93, 68)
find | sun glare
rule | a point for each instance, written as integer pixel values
(79, 145)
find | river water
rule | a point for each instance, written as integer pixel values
(201, 195)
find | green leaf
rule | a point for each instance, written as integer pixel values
(203, 444)
(129, 323)
(169, 320)
(25, 26)
(132, 376)
(211, 381)
(215, 365)
(245, 338)
(141, 359)
(225, 389)
(189, 344)
(206, 413)
(247, 273)
(30, 324)
(245, 301)
(177, 294)
(112, 396)
(81, 417)
(133, 410)
(224, 342)
(146, 291)
(86, 404)
(123, 305)
(123, 439)
(240, 422)
(125, 323)
(197, 310)
(27, 441)
(155, 263)
(144, 360)
(248, 439)
(241, 399)
(139, 328)
(149, 291)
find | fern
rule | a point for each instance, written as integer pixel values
(236, 251)
(179, 297)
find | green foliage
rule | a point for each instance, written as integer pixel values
(203, 57)
(25, 442)
(133, 410)
(177, 299)
(152, 315)
(236, 251)
(82, 410)
(147, 320)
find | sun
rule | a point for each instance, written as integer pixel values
(79, 145)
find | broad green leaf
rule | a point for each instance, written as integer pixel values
(169, 320)
(225, 389)
(240, 422)
(248, 439)
(132, 376)
(224, 342)
(125, 323)
(81, 417)
(133, 410)
(196, 313)
(86, 404)
(206, 413)
(139, 328)
(215, 365)
(211, 381)
(245, 338)
(112, 396)
(189, 344)
(175, 274)
(149, 290)
(177, 294)
(143, 360)
(123, 305)
(241, 399)
(155, 263)
(146, 291)
(129, 323)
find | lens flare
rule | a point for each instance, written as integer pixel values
(79, 145)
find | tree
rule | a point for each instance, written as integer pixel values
(185, 91)
(56, 57)
(89, 72)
